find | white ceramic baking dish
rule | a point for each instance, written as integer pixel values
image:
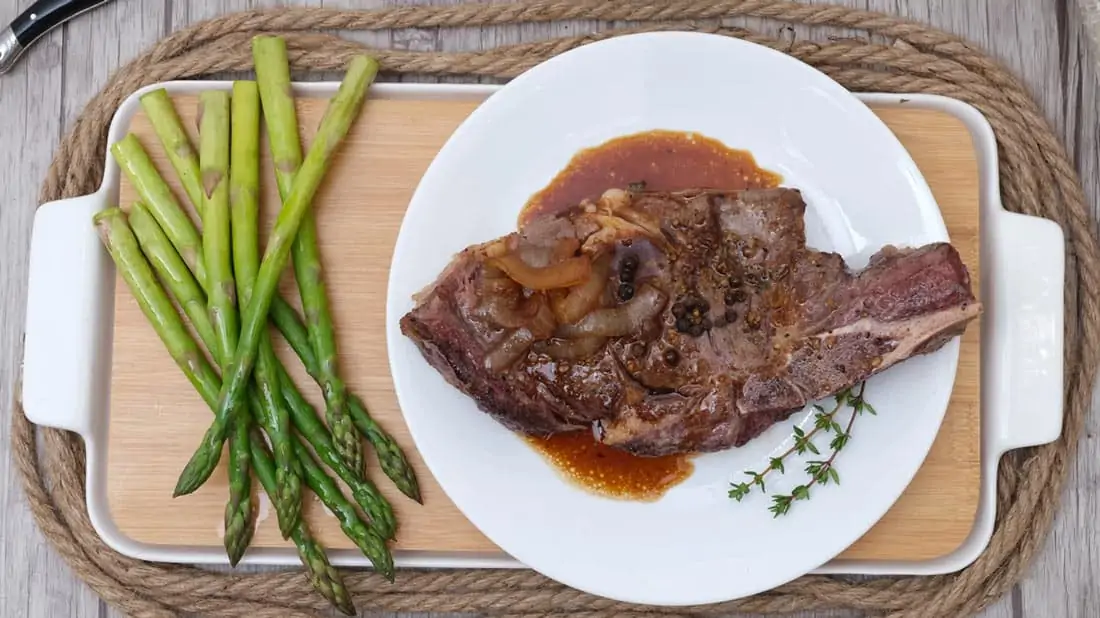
(66, 373)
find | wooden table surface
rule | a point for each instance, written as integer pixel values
(1042, 40)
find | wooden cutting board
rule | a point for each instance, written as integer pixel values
(156, 418)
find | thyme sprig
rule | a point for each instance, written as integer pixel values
(820, 471)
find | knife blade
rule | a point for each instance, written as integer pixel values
(40, 18)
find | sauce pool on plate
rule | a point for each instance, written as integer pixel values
(662, 161)
(611, 472)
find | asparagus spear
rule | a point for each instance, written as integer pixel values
(390, 456)
(136, 272)
(342, 110)
(182, 284)
(170, 268)
(369, 542)
(156, 194)
(374, 504)
(273, 75)
(186, 242)
(157, 307)
(142, 173)
(214, 166)
(324, 577)
(244, 186)
(214, 162)
(238, 509)
(286, 320)
(166, 123)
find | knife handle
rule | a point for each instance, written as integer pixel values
(40, 18)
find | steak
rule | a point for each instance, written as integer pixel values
(677, 322)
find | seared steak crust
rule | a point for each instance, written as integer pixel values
(747, 324)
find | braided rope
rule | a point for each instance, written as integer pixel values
(1037, 178)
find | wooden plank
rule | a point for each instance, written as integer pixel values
(103, 40)
(1065, 573)
(35, 581)
(1064, 580)
(95, 46)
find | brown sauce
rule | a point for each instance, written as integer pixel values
(664, 161)
(610, 472)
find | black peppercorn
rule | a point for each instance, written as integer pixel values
(691, 315)
(730, 315)
(626, 291)
(735, 296)
(672, 357)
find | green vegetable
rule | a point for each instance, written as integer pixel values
(239, 524)
(214, 163)
(369, 542)
(368, 497)
(273, 75)
(186, 241)
(324, 577)
(214, 135)
(169, 267)
(172, 271)
(166, 123)
(160, 200)
(244, 188)
(341, 111)
(390, 456)
(161, 314)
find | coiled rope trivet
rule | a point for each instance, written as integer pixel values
(1036, 178)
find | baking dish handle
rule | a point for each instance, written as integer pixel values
(1026, 336)
(67, 339)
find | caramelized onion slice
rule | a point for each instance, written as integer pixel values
(543, 255)
(627, 318)
(585, 297)
(571, 349)
(563, 274)
(542, 324)
(509, 350)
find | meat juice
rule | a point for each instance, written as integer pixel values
(659, 161)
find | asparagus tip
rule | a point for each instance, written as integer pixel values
(289, 522)
(235, 553)
(195, 473)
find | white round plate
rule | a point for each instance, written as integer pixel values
(695, 545)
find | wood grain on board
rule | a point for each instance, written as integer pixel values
(156, 418)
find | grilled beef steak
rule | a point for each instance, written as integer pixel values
(677, 322)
